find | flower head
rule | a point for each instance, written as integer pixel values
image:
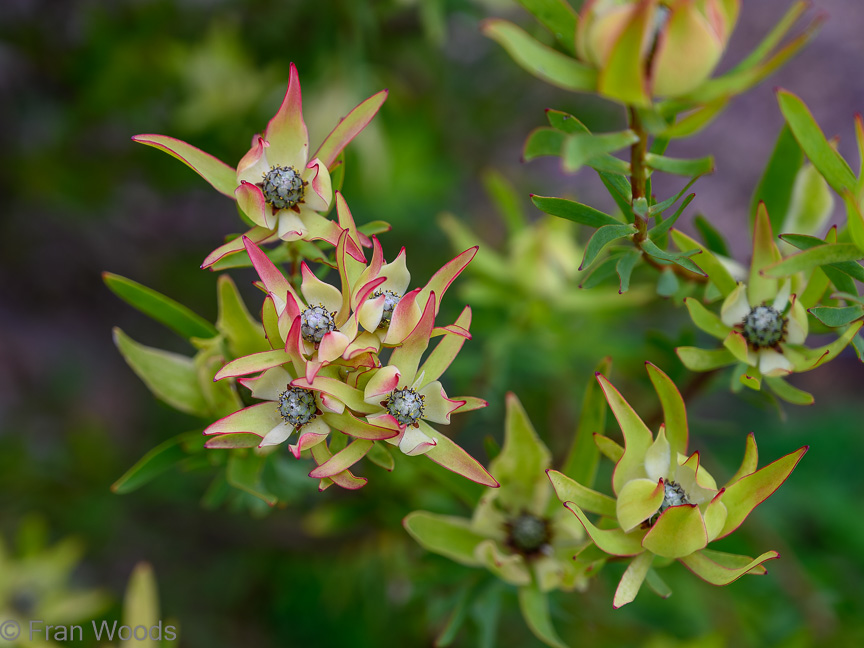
(666, 504)
(517, 531)
(763, 322)
(276, 185)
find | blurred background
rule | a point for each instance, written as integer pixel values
(78, 78)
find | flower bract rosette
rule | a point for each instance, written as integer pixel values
(279, 189)
(666, 505)
(763, 322)
(402, 396)
(518, 531)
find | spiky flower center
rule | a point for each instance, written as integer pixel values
(764, 327)
(528, 534)
(283, 187)
(405, 405)
(315, 323)
(297, 406)
(390, 300)
(673, 495)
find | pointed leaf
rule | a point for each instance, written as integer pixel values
(820, 255)
(775, 187)
(679, 531)
(623, 76)
(832, 167)
(708, 566)
(705, 320)
(624, 267)
(610, 541)
(161, 308)
(569, 490)
(696, 359)
(171, 377)
(837, 316)
(538, 59)
(631, 581)
(543, 142)
(789, 393)
(535, 611)
(452, 457)
(244, 334)
(557, 16)
(349, 127)
(751, 490)
(582, 459)
(217, 173)
(578, 150)
(677, 166)
(674, 411)
(574, 211)
(445, 535)
(709, 263)
(603, 237)
(155, 462)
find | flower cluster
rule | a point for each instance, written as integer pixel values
(325, 369)
(666, 505)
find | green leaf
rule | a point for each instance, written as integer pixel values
(631, 581)
(619, 188)
(600, 272)
(657, 584)
(155, 462)
(789, 393)
(565, 122)
(678, 166)
(582, 148)
(543, 62)
(774, 37)
(244, 472)
(159, 307)
(667, 283)
(520, 465)
(348, 128)
(624, 266)
(714, 240)
(674, 411)
(708, 565)
(558, 17)
(171, 377)
(457, 616)
(372, 228)
(775, 187)
(506, 200)
(834, 317)
(571, 490)
(696, 120)
(657, 232)
(820, 255)
(660, 207)
(603, 237)
(543, 141)
(445, 535)
(573, 211)
(696, 359)
(705, 320)
(217, 173)
(811, 139)
(535, 610)
(141, 604)
(812, 202)
(715, 270)
(751, 490)
(582, 459)
(244, 334)
(682, 258)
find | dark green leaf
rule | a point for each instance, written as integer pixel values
(244, 472)
(599, 272)
(660, 207)
(667, 284)
(834, 317)
(842, 281)
(624, 267)
(573, 211)
(695, 121)
(662, 227)
(535, 611)
(582, 459)
(811, 139)
(506, 200)
(681, 258)
(714, 240)
(565, 122)
(155, 462)
(778, 179)
(619, 188)
(161, 308)
(603, 237)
